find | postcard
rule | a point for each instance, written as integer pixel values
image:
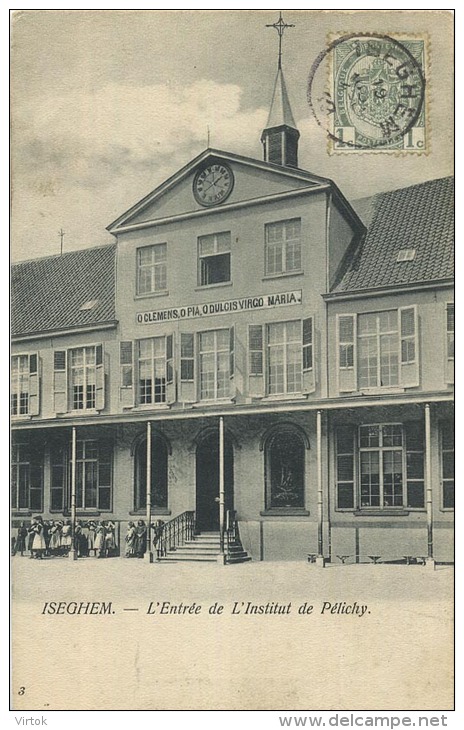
(232, 361)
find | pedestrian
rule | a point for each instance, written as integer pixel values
(20, 542)
(130, 540)
(46, 534)
(140, 539)
(100, 540)
(92, 526)
(55, 538)
(110, 539)
(30, 537)
(38, 544)
(66, 538)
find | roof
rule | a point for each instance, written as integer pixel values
(211, 154)
(280, 112)
(419, 218)
(64, 292)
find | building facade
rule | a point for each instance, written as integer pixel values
(254, 348)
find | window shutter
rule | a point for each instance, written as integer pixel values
(187, 368)
(60, 384)
(170, 374)
(126, 373)
(255, 360)
(307, 339)
(346, 353)
(34, 385)
(409, 346)
(449, 356)
(345, 466)
(99, 378)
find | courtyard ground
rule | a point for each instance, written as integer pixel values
(126, 634)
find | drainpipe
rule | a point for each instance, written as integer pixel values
(148, 552)
(320, 546)
(221, 489)
(428, 488)
(73, 551)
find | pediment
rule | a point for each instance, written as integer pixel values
(252, 179)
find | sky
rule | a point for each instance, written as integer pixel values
(107, 104)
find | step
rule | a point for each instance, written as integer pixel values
(193, 558)
(232, 559)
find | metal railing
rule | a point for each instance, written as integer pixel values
(170, 535)
(231, 531)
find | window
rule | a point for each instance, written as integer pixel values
(447, 463)
(83, 377)
(78, 379)
(151, 269)
(283, 247)
(285, 469)
(284, 357)
(450, 331)
(389, 466)
(94, 467)
(378, 349)
(152, 370)
(159, 474)
(26, 478)
(215, 359)
(24, 385)
(281, 358)
(214, 258)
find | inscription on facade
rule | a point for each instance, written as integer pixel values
(245, 304)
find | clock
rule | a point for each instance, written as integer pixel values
(213, 184)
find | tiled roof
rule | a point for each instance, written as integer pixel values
(48, 293)
(419, 218)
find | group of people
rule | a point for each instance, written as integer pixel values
(136, 538)
(55, 538)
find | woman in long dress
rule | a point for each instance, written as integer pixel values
(100, 540)
(38, 544)
(91, 537)
(130, 540)
(66, 539)
(140, 539)
(55, 537)
(110, 539)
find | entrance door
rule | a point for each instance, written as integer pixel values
(207, 481)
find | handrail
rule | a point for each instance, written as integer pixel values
(170, 535)
(232, 533)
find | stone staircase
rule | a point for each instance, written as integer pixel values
(205, 548)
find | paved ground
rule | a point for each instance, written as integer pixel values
(361, 646)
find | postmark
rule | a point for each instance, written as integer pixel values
(368, 91)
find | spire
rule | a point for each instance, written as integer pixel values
(280, 136)
(281, 111)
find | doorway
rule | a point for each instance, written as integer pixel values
(207, 480)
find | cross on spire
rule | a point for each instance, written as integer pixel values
(61, 235)
(280, 26)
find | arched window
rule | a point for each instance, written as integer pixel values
(285, 468)
(159, 473)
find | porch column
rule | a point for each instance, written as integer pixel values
(320, 546)
(428, 487)
(148, 553)
(73, 551)
(221, 483)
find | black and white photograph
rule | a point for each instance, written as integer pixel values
(232, 361)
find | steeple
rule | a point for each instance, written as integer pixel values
(280, 136)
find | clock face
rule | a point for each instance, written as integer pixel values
(213, 184)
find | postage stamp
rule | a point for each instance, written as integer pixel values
(374, 98)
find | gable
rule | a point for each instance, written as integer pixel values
(252, 179)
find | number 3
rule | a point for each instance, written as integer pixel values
(21, 690)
